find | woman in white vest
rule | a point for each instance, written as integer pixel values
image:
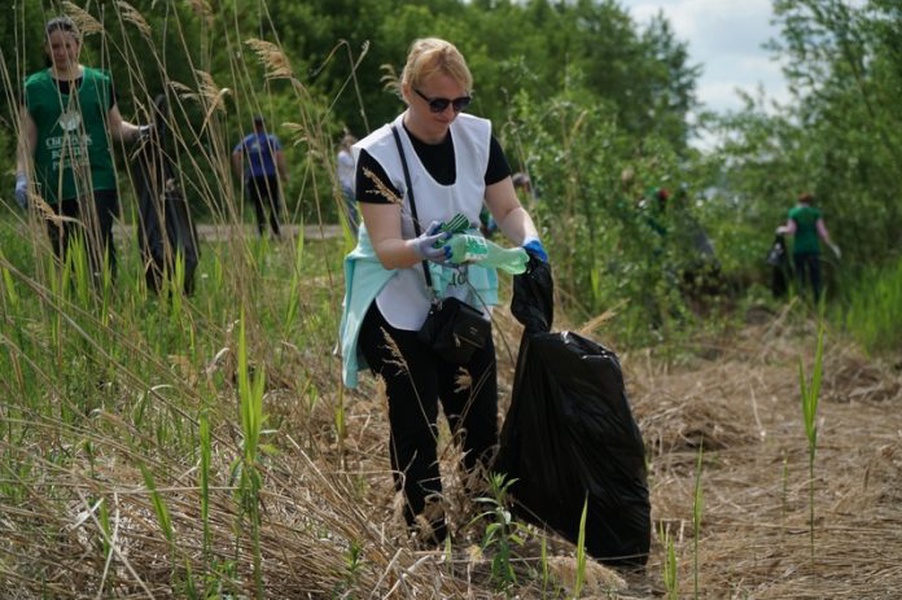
(455, 167)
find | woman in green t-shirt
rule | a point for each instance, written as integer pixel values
(69, 118)
(806, 225)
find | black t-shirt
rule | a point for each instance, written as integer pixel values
(439, 162)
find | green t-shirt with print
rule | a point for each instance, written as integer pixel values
(72, 156)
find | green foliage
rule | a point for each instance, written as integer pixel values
(354, 559)
(246, 468)
(611, 241)
(873, 308)
(838, 140)
(502, 532)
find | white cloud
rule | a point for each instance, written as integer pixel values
(726, 39)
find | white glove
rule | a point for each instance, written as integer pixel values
(144, 131)
(424, 245)
(22, 190)
(836, 251)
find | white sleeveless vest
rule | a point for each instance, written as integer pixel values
(404, 301)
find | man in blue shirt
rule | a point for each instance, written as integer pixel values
(259, 158)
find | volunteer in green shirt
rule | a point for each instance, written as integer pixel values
(69, 118)
(806, 225)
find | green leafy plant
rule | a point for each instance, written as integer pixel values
(810, 398)
(502, 532)
(353, 563)
(246, 468)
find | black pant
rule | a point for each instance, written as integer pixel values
(264, 193)
(93, 222)
(414, 385)
(808, 266)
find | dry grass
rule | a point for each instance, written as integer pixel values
(746, 407)
(323, 497)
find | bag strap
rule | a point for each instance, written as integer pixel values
(413, 204)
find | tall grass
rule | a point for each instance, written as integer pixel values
(103, 379)
(202, 436)
(873, 312)
(247, 466)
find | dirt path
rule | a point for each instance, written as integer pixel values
(744, 408)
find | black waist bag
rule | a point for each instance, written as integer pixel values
(455, 330)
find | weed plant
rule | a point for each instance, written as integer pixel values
(810, 393)
(502, 533)
(670, 572)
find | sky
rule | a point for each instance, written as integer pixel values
(725, 37)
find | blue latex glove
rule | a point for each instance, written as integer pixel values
(535, 248)
(430, 244)
(22, 190)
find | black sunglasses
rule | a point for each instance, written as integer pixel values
(438, 105)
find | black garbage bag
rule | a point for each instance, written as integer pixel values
(532, 302)
(569, 439)
(166, 230)
(778, 259)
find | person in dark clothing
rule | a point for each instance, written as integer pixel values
(259, 158)
(778, 259)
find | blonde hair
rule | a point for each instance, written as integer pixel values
(429, 56)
